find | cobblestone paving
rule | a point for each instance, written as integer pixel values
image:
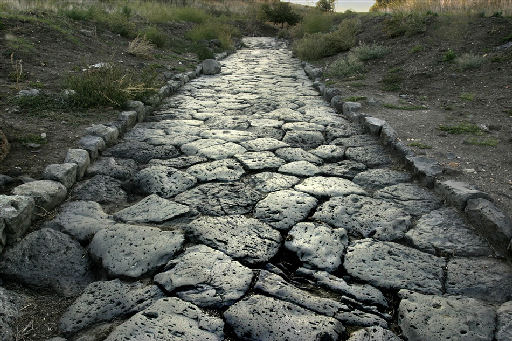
(246, 208)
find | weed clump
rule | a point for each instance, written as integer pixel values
(462, 128)
(370, 52)
(346, 67)
(314, 22)
(214, 30)
(401, 23)
(155, 36)
(449, 56)
(469, 61)
(141, 47)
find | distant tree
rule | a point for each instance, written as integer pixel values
(326, 5)
(281, 13)
(383, 4)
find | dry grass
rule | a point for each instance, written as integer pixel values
(141, 47)
(470, 7)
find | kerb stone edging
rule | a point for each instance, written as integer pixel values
(41, 196)
(477, 206)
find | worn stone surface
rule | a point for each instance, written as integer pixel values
(47, 194)
(93, 144)
(270, 182)
(100, 188)
(458, 193)
(504, 322)
(375, 179)
(414, 199)
(317, 246)
(425, 317)
(364, 216)
(259, 160)
(121, 169)
(48, 259)
(393, 266)
(329, 152)
(496, 225)
(11, 305)
(484, 278)
(345, 169)
(299, 168)
(141, 152)
(372, 156)
(170, 319)
(297, 154)
(222, 170)
(15, 215)
(65, 173)
(283, 209)
(132, 251)
(261, 318)
(210, 67)
(161, 180)
(375, 333)
(104, 301)
(329, 187)
(206, 277)
(151, 209)
(81, 158)
(263, 143)
(246, 239)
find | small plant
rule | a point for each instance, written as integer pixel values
(346, 67)
(469, 61)
(281, 13)
(141, 47)
(420, 145)
(18, 45)
(467, 96)
(155, 36)
(120, 24)
(490, 142)
(314, 22)
(401, 23)
(417, 48)
(391, 80)
(214, 30)
(449, 56)
(202, 52)
(17, 71)
(31, 138)
(355, 98)
(462, 128)
(507, 38)
(370, 52)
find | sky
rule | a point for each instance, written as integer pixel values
(342, 5)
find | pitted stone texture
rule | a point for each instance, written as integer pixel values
(361, 292)
(297, 154)
(393, 266)
(424, 317)
(372, 156)
(264, 132)
(10, 308)
(223, 170)
(329, 187)
(65, 173)
(102, 189)
(259, 160)
(307, 139)
(487, 279)
(16, 215)
(266, 123)
(490, 218)
(301, 126)
(329, 152)
(412, 198)
(142, 152)
(222, 151)
(48, 259)
(374, 333)
(504, 325)
(105, 301)
(228, 122)
(375, 179)
(356, 141)
(365, 217)
(263, 144)
(444, 231)
(242, 238)
(161, 180)
(81, 220)
(79, 157)
(93, 144)
(458, 193)
(261, 318)
(206, 277)
(283, 209)
(341, 131)
(108, 134)
(193, 148)
(270, 182)
(170, 319)
(220, 198)
(228, 135)
(121, 169)
(211, 67)
(299, 168)
(151, 209)
(285, 114)
(47, 194)
(317, 246)
(179, 162)
(132, 251)
(345, 169)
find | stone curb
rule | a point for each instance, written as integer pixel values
(477, 206)
(42, 196)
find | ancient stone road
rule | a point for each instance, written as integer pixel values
(246, 208)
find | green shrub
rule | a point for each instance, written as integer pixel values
(280, 13)
(120, 24)
(462, 128)
(191, 14)
(214, 30)
(449, 56)
(346, 67)
(78, 14)
(400, 23)
(417, 48)
(315, 22)
(391, 80)
(202, 52)
(370, 52)
(20, 46)
(155, 36)
(326, 5)
(469, 61)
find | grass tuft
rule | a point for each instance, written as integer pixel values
(401, 23)
(490, 142)
(346, 67)
(355, 98)
(466, 96)
(214, 30)
(370, 52)
(469, 61)
(449, 56)
(141, 47)
(155, 36)
(462, 128)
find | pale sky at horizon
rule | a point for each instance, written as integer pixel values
(342, 5)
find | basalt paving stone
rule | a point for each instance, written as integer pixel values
(259, 160)
(11, 305)
(105, 301)
(425, 317)
(375, 179)
(261, 318)
(285, 114)
(179, 162)
(121, 169)
(170, 319)
(306, 139)
(356, 141)
(262, 144)
(222, 151)
(223, 170)
(151, 209)
(161, 180)
(206, 277)
(366, 217)
(346, 169)
(262, 132)
(174, 139)
(132, 250)
(270, 182)
(242, 238)
(487, 279)
(375, 333)
(329, 187)
(141, 152)
(285, 208)
(194, 147)
(297, 154)
(47, 194)
(228, 122)
(390, 265)
(412, 198)
(341, 131)
(266, 123)
(372, 156)
(329, 152)
(100, 188)
(504, 322)
(220, 198)
(317, 246)
(445, 231)
(228, 135)
(302, 126)
(299, 168)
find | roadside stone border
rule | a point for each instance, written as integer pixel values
(37, 198)
(479, 209)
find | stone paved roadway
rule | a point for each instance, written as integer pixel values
(246, 208)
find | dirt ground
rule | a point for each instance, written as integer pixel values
(432, 94)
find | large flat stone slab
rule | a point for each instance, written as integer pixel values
(424, 317)
(329, 187)
(504, 322)
(161, 180)
(307, 139)
(228, 135)
(270, 182)
(221, 170)
(390, 265)
(263, 143)
(101, 189)
(16, 215)
(283, 209)
(206, 277)
(375, 179)
(346, 169)
(151, 209)
(414, 199)
(242, 238)
(48, 259)
(121, 169)
(47, 194)
(375, 333)
(11, 305)
(261, 318)
(142, 152)
(132, 251)
(170, 319)
(372, 156)
(297, 154)
(259, 160)
(364, 216)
